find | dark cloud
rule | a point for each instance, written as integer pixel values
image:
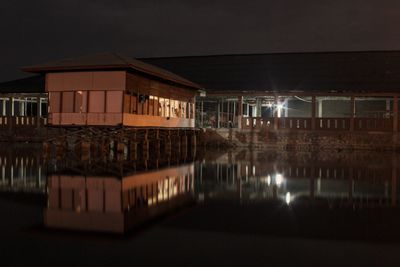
(41, 30)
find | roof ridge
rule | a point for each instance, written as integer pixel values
(276, 53)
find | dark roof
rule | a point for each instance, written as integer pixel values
(109, 61)
(323, 71)
(33, 84)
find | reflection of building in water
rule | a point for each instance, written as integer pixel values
(112, 204)
(351, 181)
(21, 172)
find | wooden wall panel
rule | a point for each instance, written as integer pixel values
(85, 81)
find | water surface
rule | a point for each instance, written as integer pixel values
(290, 199)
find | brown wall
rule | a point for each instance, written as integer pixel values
(108, 97)
(85, 81)
(141, 85)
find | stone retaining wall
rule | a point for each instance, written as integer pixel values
(300, 140)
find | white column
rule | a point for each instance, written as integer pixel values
(320, 108)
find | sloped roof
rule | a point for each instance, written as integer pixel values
(109, 61)
(323, 71)
(33, 84)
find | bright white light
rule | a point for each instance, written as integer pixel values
(269, 180)
(269, 104)
(278, 179)
(287, 198)
(279, 107)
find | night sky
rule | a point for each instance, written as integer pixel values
(42, 30)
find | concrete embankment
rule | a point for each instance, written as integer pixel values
(299, 140)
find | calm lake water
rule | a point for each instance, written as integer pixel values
(326, 196)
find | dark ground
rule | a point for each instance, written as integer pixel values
(203, 235)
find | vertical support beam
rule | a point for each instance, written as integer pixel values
(395, 114)
(3, 111)
(193, 144)
(38, 112)
(320, 105)
(184, 141)
(168, 144)
(352, 112)
(228, 114)
(258, 107)
(276, 119)
(240, 111)
(218, 114)
(234, 114)
(222, 116)
(133, 146)
(10, 115)
(202, 113)
(10, 111)
(146, 146)
(313, 107)
(193, 106)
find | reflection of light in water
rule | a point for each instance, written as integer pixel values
(287, 198)
(278, 179)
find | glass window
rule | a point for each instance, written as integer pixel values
(191, 110)
(167, 108)
(187, 115)
(156, 106)
(175, 108)
(183, 109)
(161, 107)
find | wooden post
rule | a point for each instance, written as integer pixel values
(240, 111)
(234, 114)
(146, 145)
(228, 114)
(178, 143)
(218, 114)
(276, 119)
(184, 144)
(38, 111)
(201, 114)
(133, 146)
(168, 145)
(313, 109)
(85, 150)
(352, 112)
(193, 144)
(157, 143)
(10, 115)
(395, 114)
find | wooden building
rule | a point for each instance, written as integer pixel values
(23, 107)
(327, 91)
(112, 90)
